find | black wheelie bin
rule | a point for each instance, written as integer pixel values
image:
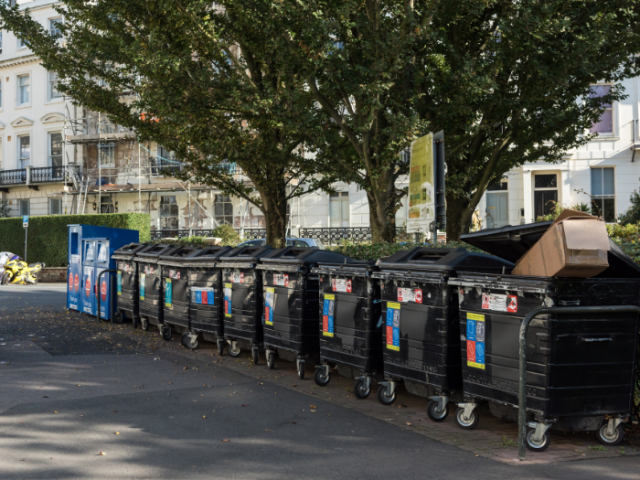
(579, 367)
(351, 327)
(291, 292)
(242, 296)
(205, 291)
(175, 278)
(150, 284)
(421, 333)
(128, 295)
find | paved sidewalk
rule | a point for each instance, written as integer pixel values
(493, 438)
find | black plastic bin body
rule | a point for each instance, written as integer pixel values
(150, 284)
(128, 295)
(579, 367)
(291, 293)
(175, 287)
(242, 295)
(421, 332)
(351, 326)
(205, 290)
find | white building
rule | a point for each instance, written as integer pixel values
(606, 170)
(57, 158)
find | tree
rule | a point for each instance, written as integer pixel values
(508, 83)
(202, 80)
(632, 215)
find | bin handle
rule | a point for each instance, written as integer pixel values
(524, 327)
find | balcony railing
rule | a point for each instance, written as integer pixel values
(39, 175)
(13, 177)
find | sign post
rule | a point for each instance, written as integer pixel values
(426, 186)
(25, 224)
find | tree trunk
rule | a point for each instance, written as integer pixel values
(274, 201)
(458, 216)
(382, 216)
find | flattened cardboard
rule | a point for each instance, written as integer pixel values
(575, 245)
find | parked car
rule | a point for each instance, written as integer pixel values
(291, 242)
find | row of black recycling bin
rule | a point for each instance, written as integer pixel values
(444, 322)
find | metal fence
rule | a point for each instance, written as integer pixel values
(249, 233)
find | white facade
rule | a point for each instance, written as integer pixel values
(605, 169)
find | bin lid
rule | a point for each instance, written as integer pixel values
(153, 252)
(307, 256)
(512, 242)
(129, 251)
(444, 259)
(247, 254)
(177, 254)
(207, 255)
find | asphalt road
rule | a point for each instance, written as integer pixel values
(77, 403)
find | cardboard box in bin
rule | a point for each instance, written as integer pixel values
(575, 245)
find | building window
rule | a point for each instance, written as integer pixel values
(55, 149)
(22, 43)
(55, 206)
(605, 124)
(603, 193)
(24, 150)
(169, 214)
(24, 207)
(106, 204)
(339, 210)
(223, 209)
(107, 154)
(545, 194)
(52, 85)
(23, 90)
(54, 27)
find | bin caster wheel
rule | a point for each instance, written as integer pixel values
(301, 369)
(234, 350)
(271, 360)
(118, 317)
(434, 412)
(191, 342)
(383, 396)
(183, 339)
(535, 445)
(144, 324)
(322, 379)
(362, 388)
(467, 422)
(610, 439)
(166, 333)
(255, 355)
(220, 347)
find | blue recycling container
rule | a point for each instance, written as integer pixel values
(89, 252)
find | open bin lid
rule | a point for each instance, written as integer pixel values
(206, 255)
(304, 256)
(512, 242)
(247, 254)
(129, 251)
(153, 252)
(444, 259)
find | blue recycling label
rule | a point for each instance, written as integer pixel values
(393, 326)
(119, 282)
(328, 315)
(168, 293)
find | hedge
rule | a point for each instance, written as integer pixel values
(48, 235)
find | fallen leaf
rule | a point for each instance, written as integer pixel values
(312, 406)
(225, 439)
(268, 430)
(409, 423)
(55, 411)
(204, 416)
(102, 453)
(313, 411)
(117, 433)
(245, 405)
